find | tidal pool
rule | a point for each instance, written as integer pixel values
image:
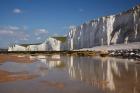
(68, 74)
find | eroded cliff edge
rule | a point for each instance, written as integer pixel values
(122, 28)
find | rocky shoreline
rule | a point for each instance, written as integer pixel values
(127, 53)
(123, 53)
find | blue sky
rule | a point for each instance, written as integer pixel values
(32, 21)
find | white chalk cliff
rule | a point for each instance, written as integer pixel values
(115, 29)
(51, 44)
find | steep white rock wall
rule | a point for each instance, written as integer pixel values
(126, 27)
(32, 48)
(42, 47)
(10, 48)
(53, 44)
(17, 48)
(114, 29)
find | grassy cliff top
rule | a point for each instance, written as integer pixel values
(25, 45)
(60, 38)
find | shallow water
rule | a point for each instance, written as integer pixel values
(68, 74)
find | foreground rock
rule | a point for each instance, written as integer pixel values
(132, 53)
(131, 50)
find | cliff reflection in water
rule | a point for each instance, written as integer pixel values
(109, 74)
(24, 67)
(68, 74)
(49, 61)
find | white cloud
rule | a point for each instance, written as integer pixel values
(6, 32)
(68, 27)
(17, 10)
(13, 27)
(13, 32)
(41, 32)
(25, 27)
(72, 26)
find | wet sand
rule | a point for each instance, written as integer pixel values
(68, 74)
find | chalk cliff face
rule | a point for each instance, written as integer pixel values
(16, 48)
(53, 44)
(108, 30)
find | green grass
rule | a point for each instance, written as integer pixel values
(61, 38)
